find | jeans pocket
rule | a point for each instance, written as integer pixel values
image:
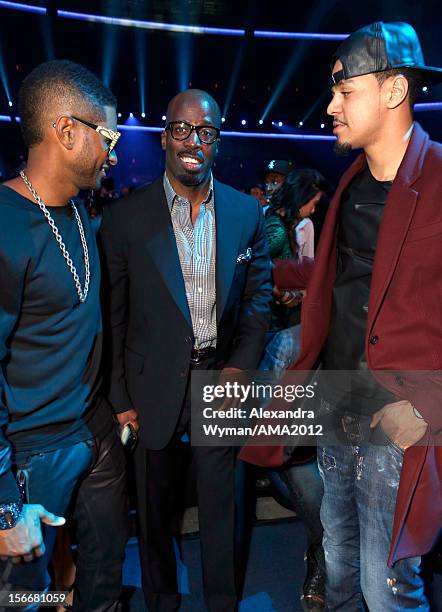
(390, 442)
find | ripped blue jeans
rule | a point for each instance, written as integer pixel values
(360, 488)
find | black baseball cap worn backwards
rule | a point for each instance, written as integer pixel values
(379, 47)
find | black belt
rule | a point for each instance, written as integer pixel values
(198, 355)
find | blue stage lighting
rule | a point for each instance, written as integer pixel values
(299, 35)
(3, 76)
(146, 128)
(28, 8)
(140, 44)
(234, 75)
(243, 122)
(322, 126)
(119, 115)
(164, 117)
(280, 124)
(301, 123)
(150, 25)
(223, 119)
(109, 46)
(131, 115)
(5, 118)
(260, 122)
(279, 135)
(425, 88)
(428, 106)
(143, 115)
(139, 128)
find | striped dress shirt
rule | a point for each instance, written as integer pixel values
(197, 253)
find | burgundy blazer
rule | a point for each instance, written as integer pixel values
(404, 327)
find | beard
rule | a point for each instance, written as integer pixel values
(190, 180)
(342, 148)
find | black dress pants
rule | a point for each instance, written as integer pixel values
(160, 474)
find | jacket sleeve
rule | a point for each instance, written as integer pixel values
(11, 291)
(254, 315)
(291, 273)
(115, 301)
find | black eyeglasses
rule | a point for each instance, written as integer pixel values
(108, 134)
(181, 130)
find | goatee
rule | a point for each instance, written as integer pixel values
(342, 148)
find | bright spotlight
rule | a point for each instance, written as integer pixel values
(322, 126)
(131, 115)
(10, 103)
(301, 123)
(260, 122)
(425, 88)
(243, 122)
(280, 124)
(119, 115)
(223, 119)
(163, 117)
(143, 115)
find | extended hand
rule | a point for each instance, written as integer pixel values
(130, 416)
(26, 539)
(232, 375)
(400, 423)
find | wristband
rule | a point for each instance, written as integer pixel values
(10, 514)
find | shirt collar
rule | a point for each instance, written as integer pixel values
(171, 195)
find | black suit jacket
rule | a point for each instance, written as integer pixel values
(149, 328)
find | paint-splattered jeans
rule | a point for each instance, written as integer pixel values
(360, 487)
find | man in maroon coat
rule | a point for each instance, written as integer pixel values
(373, 309)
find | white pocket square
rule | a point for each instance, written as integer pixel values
(243, 257)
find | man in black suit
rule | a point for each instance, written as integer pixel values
(188, 287)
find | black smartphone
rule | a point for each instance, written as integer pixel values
(129, 437)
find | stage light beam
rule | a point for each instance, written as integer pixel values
(140, 49)
(297, 56)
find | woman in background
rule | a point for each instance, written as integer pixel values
(299, 482)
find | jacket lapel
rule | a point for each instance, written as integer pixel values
(398, 214)
(163, 250)
(228, 235)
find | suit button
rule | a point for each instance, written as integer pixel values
(399, 380)
(374, 339)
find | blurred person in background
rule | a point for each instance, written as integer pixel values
(290, 234)
(257, 191)
(274, 174)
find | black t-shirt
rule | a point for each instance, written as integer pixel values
(361, 212)
(50, 345)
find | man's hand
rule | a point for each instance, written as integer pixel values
(130, 416)
(25, 540)
(231, 375)
(400, 423)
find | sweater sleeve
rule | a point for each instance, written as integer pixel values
(11, 290)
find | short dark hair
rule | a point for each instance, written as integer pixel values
(63, 86)
(300, 186)
(413, 77)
